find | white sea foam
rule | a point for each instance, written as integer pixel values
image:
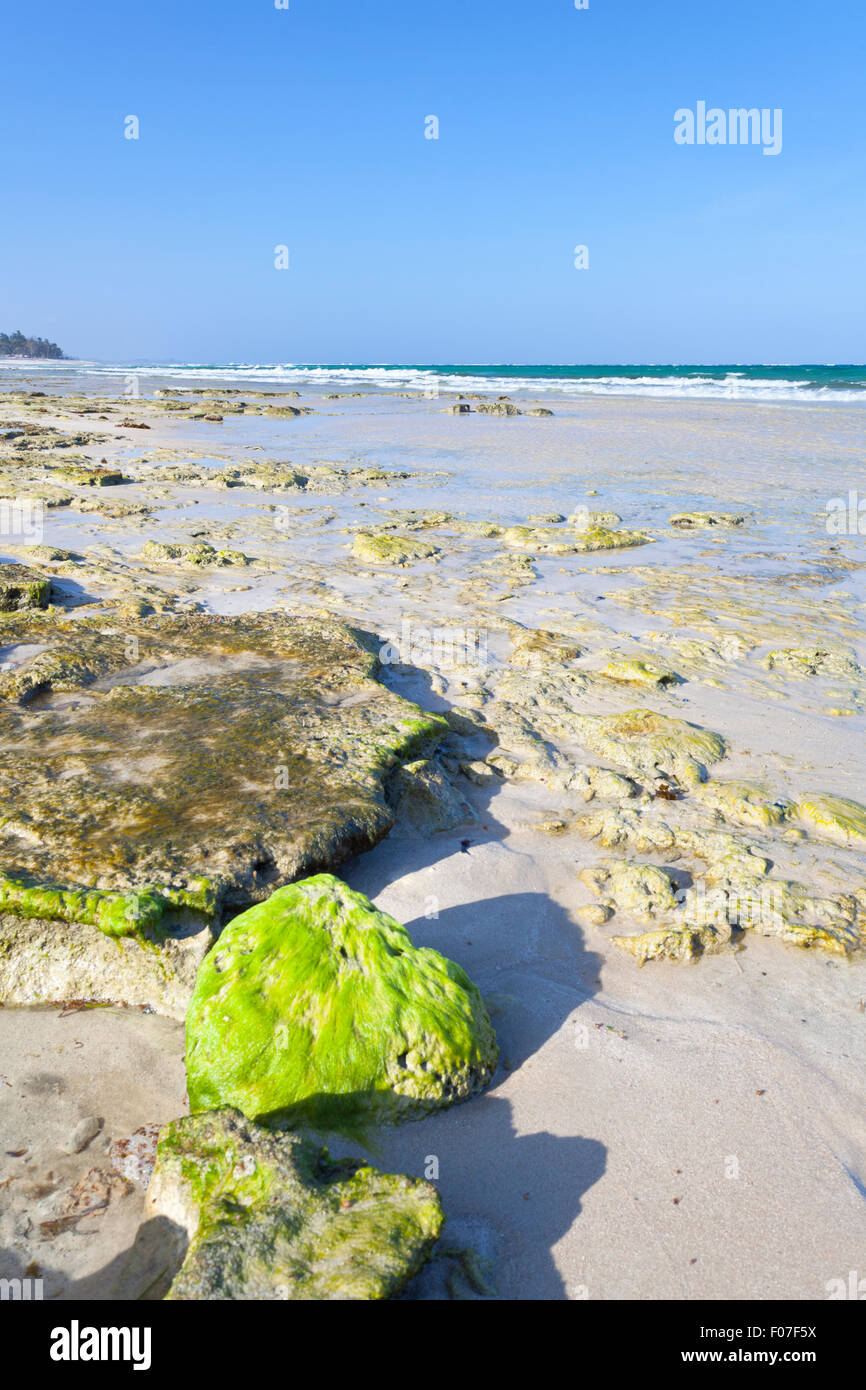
(737, 386)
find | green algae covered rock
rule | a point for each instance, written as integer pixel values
(644, 890)
(673, 943)
(813, 661)
(597, 536)
(387, 549)
(647, 744)
(116, 914)
(743, 803)
(199, 556)
(275, 1217)
(244, 752)
(85, 474)
(702, 521)
(834, 818)
(315, 1007)
(584, 539)
(632, 671)
(425, 799)
(21, 587)
(536, 648)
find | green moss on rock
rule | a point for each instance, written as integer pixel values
(702, 521)
(116, 914)
(245, 751)
(315, 1007)
(388, 549)
(632, 671)
(198, 556)
(647, 744)
(276, 1218)
(834, 818)
(675, 943)
(21, 587)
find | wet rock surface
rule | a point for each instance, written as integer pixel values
(236, 751)
(276, 1218)
(21, 587)
(168, 770)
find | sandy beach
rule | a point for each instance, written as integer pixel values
(637, 649)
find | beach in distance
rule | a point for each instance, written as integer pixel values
(561, 669)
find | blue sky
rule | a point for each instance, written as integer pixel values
(305, 127)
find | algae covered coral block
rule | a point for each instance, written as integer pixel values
(21, 587)
(246, 751)
(383, 548)
(316, 1007)
(276, 1218)
(647, 744)
(834, 818)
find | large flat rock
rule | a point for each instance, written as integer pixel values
(209, 759)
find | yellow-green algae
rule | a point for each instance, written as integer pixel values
(115, 914)
(696, 521)
(21, 587)
(814, 661)
(585, 539)
(385, 548)
(648, 744)
(201, 555)
(263, 758)
(744, 803)
(538, 647)
(274, 1217)
(777, 907)
(316, 1007)
(85, 474)
(425, 798)
(633, 671)
(834, 818)
(673, 943)
(644, 890)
